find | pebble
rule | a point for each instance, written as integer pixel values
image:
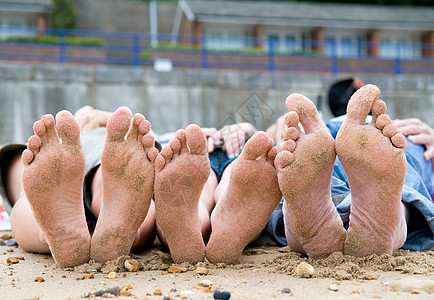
(333, 287)
(2, 243)
(39, 279)
(304, 270)
(173, 290)
(286, 290)
(205, 283)
(158, 292)
(174, 270)
(5, 236)
(371, 276)
(124, 291)
(221, 295)
(87, 276)
(164, 267)
(110, 290)
(11, 243)
(201, 271)
(112, 275)
(132, 265)
(186, 293)
(14, 260)
(166, 297)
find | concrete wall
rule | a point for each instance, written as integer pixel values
(173, 100)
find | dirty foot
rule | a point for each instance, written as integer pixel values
(252, 195)
(127, 167)
(374, 162)
(304, 166)
(53, 183)
(182, 168)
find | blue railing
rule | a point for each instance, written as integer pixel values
(206, 52)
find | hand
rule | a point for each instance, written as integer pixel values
(417, 132)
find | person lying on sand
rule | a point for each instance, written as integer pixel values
(381, 186)
(302, 169)
(116, 180)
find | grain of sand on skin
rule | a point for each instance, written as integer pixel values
(377, 223)
(182, 168)
(304, 165)
(52, 179)
(127, 166)
(244, 209)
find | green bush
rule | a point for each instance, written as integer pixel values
(63, 15)
(54, 39)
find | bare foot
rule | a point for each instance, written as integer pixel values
(53, 183)
(182, 168)
(127, 166)
(252, 195)
(374, 162)
(304, 166)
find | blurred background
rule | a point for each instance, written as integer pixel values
(210, 62)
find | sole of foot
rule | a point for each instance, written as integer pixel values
(53, 183)
(182, 168)
(304, 166)
(374, 161)
(252, 195)
(127, 167)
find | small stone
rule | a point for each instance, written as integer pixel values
(132, 265)
(158, 292)
(87, 276)
(110, 290)
(221, 295)
(39, 279)
(333, 287)
(286, 291)
(112, 275)
(166, 297)
(186, 293)
(91, 271)
(304, 270)
(205, 283)
(108, 295)
(415, 291)
(11, 243)
(174, 270)
(183, 269)
(201, 271)
(173, 290)
(14, 260)
(124, 291)
(371, 276)
(2, 243)
(164, 267)
(5, 237)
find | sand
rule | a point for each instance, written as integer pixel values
(263, 271)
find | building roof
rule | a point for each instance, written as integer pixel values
(34, 6)
(309, 14)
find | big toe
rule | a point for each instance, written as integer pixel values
(306, 111)
(258, 145)
(361, 103)
(196, 140)
(68, 128)
(119, 124)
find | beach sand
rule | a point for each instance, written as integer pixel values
(264, 271)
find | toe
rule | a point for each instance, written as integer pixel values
(148, 141)
(379, 108)
(181, 136)
(160, 162)
(133, 132)
(167, 154)
(292, 119)
(398, 140)
(152, 154)
(382, 121)
(119, 124)
(68, 128)
(271, 155)
(40, 131)
(288, 145)
(196, 140)
(34, 144)
(283, 159)
(306, 111)
(258, 145)
(175, 144)
(390, 130)
(290, 133)
(49, 123)
(361, 103)
(27, 157)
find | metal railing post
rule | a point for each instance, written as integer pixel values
(62, 46)
(398, 70)
(271, 65)
(136, 50)
(204, 53)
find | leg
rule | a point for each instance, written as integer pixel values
(304, 167)
(246, 205)
(127, 169)
(182, 169)
(374, 162)
(52, 179)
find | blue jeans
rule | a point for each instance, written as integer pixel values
(415, 195)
